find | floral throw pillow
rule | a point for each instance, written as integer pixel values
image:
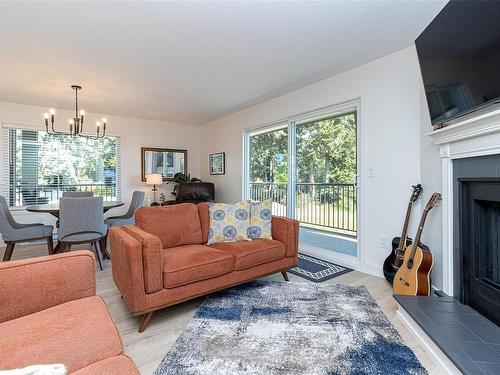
(229, 222)
(260, 220)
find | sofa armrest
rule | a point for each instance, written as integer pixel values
(287, 231)
(35, 284)
(137, 263)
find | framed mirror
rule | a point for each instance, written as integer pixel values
(165, 161)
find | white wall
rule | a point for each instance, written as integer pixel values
(430, 171)
(389, 91)
(134, 133)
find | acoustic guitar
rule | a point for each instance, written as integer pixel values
(399, 244)
(413, 277)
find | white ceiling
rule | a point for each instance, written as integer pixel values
(191, 62)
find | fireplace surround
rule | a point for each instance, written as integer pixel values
(477, 135)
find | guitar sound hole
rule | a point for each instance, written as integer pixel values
(410, 264)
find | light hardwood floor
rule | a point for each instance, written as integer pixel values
(148, 348)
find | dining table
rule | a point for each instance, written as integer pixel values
(53, 209)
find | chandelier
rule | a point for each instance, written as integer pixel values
(75, 123)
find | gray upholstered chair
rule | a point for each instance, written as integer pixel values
(81, 220)
(77, 194)
(127, 218)
(14, 232)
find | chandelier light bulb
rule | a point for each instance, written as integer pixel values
(46, 116)
(98, 124)
(104, 120)
(52, 111)
(82, 113)
(71, 121)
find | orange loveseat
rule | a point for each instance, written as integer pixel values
(163, 259)
(49, 314)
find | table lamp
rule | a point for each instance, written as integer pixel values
(154, 179)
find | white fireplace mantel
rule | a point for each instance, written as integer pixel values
(477, 135)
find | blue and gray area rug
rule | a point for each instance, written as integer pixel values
(317, 270)
(271, 327)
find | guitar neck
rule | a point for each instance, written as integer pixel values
(404, 233)
(416, 241)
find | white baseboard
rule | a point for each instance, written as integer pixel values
(448, 367)
(373, 269)
(330, 256)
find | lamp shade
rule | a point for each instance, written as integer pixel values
(154, 179)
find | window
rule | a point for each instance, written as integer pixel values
(39, 167)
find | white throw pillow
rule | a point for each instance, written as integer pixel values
(56, 369)
(260, 220)
(229, 222)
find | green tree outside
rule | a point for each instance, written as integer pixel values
(325, 161)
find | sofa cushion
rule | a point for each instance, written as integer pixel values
(174, 225)
(252, 253)
(76, 334)
(119, 365)
(186, 264)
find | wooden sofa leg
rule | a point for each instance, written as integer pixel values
(285, 275)
(145, 321)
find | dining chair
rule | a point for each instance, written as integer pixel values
(14, 232)
(81, 221)
(128, 217)
(77, 194)
(125, 219)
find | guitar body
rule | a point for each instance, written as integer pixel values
(414, 280)
(389, 269)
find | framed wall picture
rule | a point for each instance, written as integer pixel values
(217, 163)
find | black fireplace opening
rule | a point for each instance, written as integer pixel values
(479, 247)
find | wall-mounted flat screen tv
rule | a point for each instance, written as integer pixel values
(459, 54)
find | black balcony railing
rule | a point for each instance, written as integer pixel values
(326, 206)
(277, 192)
(25, 194)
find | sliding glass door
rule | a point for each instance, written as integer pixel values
(268, 167)
(308, 167)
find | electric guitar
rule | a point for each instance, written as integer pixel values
(399, 244)
(413, 277)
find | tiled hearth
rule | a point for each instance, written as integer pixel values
(469, 340)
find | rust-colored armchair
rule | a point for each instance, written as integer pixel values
(50, 314)
(164, 260)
